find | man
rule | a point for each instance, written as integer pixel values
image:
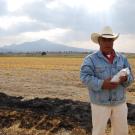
(108, 99)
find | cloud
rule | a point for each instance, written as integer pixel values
(15, 5)
(60, 14)
(3, 7)
(18, 24)
(63, 16)
(52, 34)
(75, 18)
(75, 14)
(122, 16)
(125, 43)
(15, 39)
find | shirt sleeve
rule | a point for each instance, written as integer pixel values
(87, 75)
(130, 77)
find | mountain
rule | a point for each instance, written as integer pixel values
(40, 45)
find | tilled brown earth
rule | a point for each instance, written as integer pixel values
(47, 115)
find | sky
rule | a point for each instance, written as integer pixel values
(68, 22)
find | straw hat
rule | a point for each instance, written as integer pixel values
(105, 33)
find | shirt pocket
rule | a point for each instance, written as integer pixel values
(116, 69)
(119, 67)
(100, 72)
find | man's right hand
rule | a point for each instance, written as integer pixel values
(107, 84)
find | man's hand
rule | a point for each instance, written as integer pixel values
(123, 79)
(107, 84)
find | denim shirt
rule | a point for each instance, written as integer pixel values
(95, 69)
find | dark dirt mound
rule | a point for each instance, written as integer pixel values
(48, 114)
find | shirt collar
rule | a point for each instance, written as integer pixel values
(99, 53)
(112, 54)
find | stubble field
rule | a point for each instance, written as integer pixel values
(29, 85)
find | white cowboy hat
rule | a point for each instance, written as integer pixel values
(106, 33)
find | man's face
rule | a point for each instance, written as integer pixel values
(106, 44)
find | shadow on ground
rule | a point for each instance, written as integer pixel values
(50, 114)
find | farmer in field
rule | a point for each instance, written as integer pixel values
(107, 95)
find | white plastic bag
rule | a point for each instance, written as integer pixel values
(123, 72)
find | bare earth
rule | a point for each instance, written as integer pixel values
(35, 79)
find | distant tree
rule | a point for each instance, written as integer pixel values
(43, 53)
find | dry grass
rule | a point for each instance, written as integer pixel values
(32, 77)
(42, 63)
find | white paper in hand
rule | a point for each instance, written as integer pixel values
(123, 72)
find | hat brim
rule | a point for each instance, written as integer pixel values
(95, 36)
